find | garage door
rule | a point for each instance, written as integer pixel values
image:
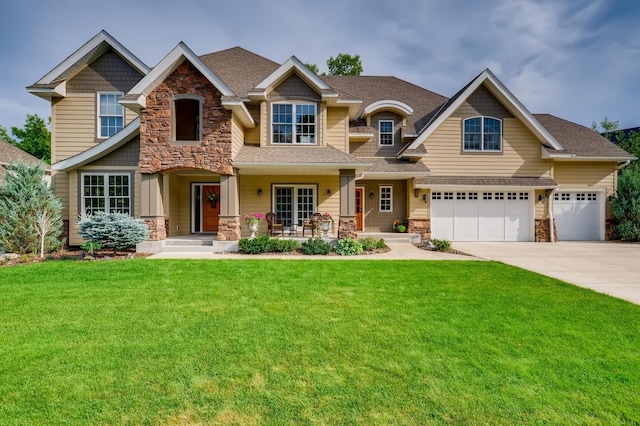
(577, 215)
(481, 215)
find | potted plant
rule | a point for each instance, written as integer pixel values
(212, 198)
(326, 222)
(253, 220)
(399, 225)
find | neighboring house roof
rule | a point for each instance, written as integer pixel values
(579, 141)
(53, 84)
(11, 154)
(487, 181)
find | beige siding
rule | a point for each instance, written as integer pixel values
(576, 175)
(251, 203)
(264, 124)
(521, 154)
(542, 207)
(252, 136)
(60, 182)
(338, 128)
(416, 207)
(237, 136)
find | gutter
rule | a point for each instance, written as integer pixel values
(551, 227)
(623, 165)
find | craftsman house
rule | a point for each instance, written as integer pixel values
(196, 142)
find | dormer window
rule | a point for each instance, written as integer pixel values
(110, 114)
(293, 123)
(385, 132)
(482, 134)
(187, 122)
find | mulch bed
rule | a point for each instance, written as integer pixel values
(72, 254)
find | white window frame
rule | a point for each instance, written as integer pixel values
(482, 146)
(380, 132)
(106, 196)
(294, 132)
(190, 97)
(99, 134)
(382, 197)
(294, 201)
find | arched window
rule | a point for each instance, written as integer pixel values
(187, 120)
(482, 134)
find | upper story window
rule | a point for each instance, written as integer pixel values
(385, 132)
(187, 110)
(482, 134)
(293, 123)
(110, 114)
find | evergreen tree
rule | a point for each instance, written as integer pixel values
(626, 207)
(117, 230)
(30, 213)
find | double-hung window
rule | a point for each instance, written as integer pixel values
(106, 192)
(386, 198)
(385, 132)
(482, 134)
(293, 123)
(110, 114)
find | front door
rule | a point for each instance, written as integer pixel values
(359, 208)
(210, 207)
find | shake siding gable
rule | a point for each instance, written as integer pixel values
(108, 73)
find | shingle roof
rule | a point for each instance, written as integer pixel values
(579, 140)
(294, 155)
(10, 153)
(240, 69)
(392, 165)
(486, 181)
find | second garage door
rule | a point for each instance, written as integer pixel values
(577, 215)
(481, 215)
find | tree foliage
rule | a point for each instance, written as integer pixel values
(30, 213)
(344, 64)
(629, 141)
(626, 207)
(313, 67)
(34, 138)
(117, 230)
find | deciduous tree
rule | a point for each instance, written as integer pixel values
(33, 138)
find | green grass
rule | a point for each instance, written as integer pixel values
(311, 342)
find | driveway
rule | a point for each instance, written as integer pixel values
(606, 267)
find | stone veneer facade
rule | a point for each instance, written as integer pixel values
(158, 229)
(543, 233)
(347, 229)
(158, 152)
(420, 226)
(229, 229)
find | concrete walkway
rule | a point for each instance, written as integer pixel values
(399, 251)
(606, 267)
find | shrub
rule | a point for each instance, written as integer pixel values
(371, 244)
(626, 207)
(261, 244)
(117, 230)
(30, 213)
(316, 246)
(284, 246)
(441, 245)
(348, 247)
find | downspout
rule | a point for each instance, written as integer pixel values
(551, 227)
(623, 165)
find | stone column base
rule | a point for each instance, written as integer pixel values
(420, 226)
(64, 237)
(543, 234)
(609, 233)
(347, 228)
(229, 228)
(157, 227)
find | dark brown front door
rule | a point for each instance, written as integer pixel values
(210, 208)
(359, 208)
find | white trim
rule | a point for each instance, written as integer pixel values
(99, 150)
(478, 187)
(390, 198)
(192, 225)
(482, 118)
(364, 199)
(99, 116)
(388, 104)
(380, 133)
(294, 105)
(283, 70)
(168, 64)
(573, 157)
(240, 109)
(294, 201)
(505, 96)
(59, 91)
(101, 37)
(105, 196)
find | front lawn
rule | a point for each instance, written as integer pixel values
(311, 342)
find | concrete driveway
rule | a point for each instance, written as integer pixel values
(606, 267)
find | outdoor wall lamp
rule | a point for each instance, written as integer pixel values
(329, 192)
(541, 197)
(259, 192)
(425, 198)
(371, 194)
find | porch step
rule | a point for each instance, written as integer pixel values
(188, 242)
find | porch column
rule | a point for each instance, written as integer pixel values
(347, 221)
(152, 205)
(229, 220)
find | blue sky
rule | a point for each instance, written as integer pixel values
(577, 59)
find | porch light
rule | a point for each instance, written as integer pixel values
(371, 194)
(259, 192)
(425, 198)
(541, 197)
(329, 192)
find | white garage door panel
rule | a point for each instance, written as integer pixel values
(577, 215)
(481, 215)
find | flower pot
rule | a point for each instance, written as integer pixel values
(253, 227)
(325, 225)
